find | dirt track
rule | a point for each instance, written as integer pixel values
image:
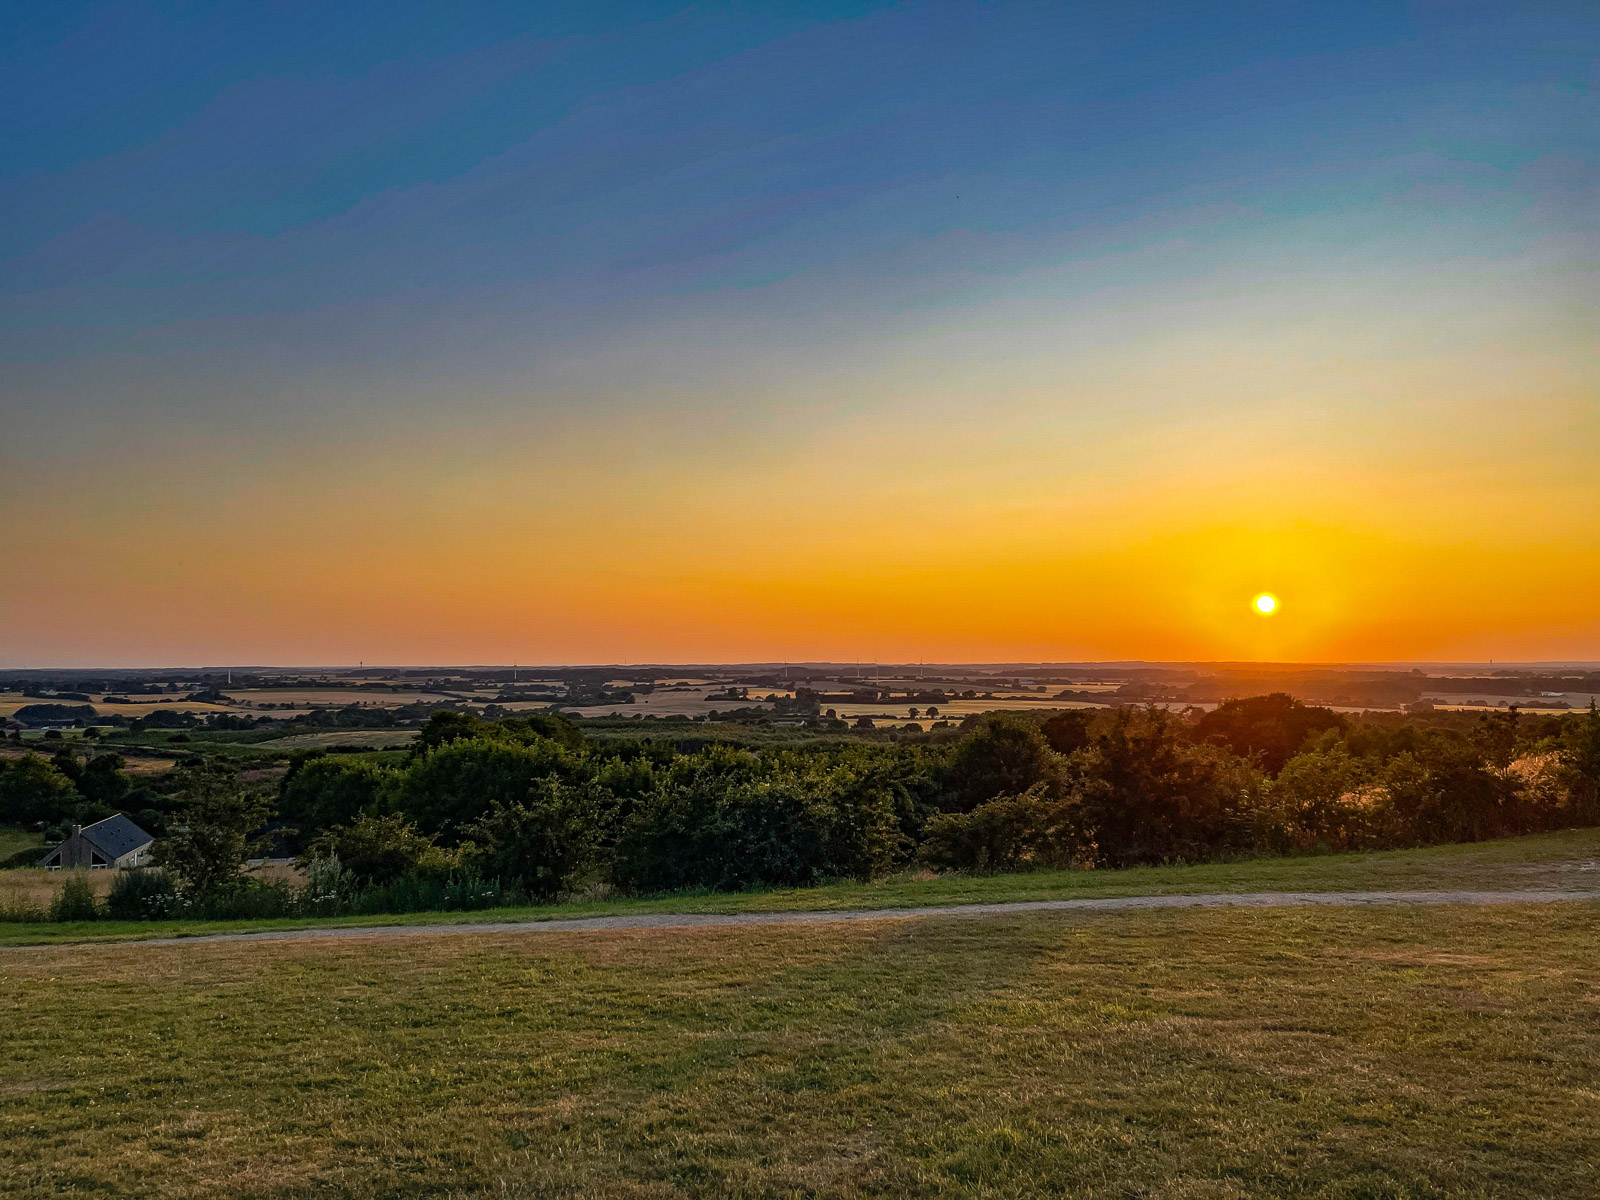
(703, 920)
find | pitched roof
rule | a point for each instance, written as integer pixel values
(116, 836)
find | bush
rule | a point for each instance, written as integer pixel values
(732, 833)
(545, 840)
(140, 896)
(448, 789)
(1022, 833)
(75, 900)
(1325, 797)
(320, 792)
(378, 849)
(1005, 756)
(1149, 796)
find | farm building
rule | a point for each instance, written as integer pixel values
(114, 842)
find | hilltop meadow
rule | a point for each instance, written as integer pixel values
(1319, 1052)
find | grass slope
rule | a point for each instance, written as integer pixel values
(1558, 860)
(1194, 1054)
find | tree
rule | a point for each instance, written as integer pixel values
(319, 792)
(446, 726)
(1266, 729)
(451, 787)
(1150, 796)
(32, 792)
(1067, 731)
(102, 781)
(212, 834)
(1005, 756)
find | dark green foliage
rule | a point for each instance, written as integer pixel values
(446, 726)
(452, 787)
(490, 811)
(66, 761)
(140, 896)
(1005, 756)
(33, 714)
(1325, 797)
(1447, 791)
(376, 849)
(1266, 729)
(1149, 795)
(1021, 833)
(74, 901)
(102, 781)
(213, 832)
(319, 791)
(1068, 732)
(33, 792)
(546, 839)
(1579, 769)
(728, 820)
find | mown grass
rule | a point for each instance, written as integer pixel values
(1215, 1054)
(1569, 859)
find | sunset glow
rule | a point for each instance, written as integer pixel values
(895, 332)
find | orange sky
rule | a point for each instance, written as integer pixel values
(891, 332)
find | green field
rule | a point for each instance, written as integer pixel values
(1567, 860)
(1300, 1052)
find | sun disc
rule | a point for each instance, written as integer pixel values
(1266, 604)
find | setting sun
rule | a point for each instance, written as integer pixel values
(1266, 604)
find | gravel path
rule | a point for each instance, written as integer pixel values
(715, 920)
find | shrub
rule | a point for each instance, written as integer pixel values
(738, 825)
(544, 840)
(1326, 797)
(1005, 756)
(377, 849)
(448, 789)
(1149, 796)
(75, 899)
(1019, 833)
(140, 896)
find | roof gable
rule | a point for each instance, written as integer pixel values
(115, 836)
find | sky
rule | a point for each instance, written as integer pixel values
(624, 333)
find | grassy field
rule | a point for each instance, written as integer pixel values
(1568, 860)
(15, 841)
(1185, 1054)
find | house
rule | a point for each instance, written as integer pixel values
(114, 842)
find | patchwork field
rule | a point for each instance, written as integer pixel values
(1339, 1053)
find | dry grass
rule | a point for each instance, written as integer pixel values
(1336, 1053)
(33, 887)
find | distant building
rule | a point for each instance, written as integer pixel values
(114, 842)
